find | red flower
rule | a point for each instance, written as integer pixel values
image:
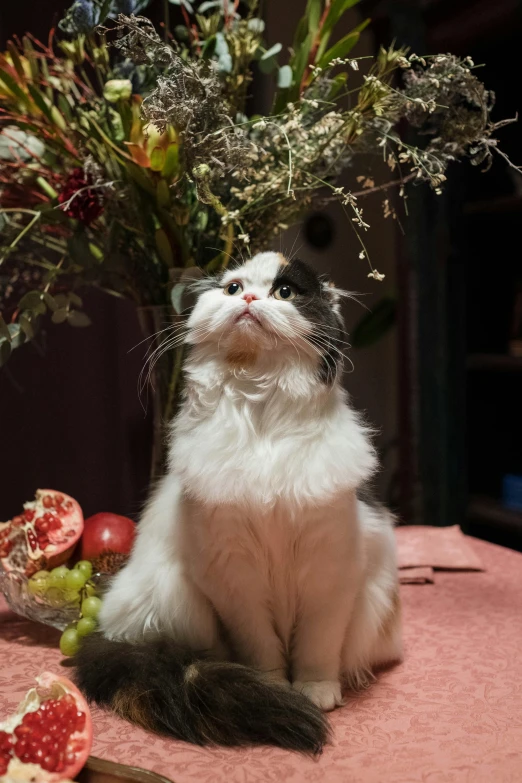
(82, 203)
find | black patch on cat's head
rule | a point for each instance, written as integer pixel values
(316, 302)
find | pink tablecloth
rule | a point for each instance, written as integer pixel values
(451, 712)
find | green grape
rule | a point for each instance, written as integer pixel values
(90, 589)
(85, 567)
(38, 583)
(91, 607)
(86, 626)
(75, 579)
(70, 596)
(55, 596)
(69, 642)
(57, 576)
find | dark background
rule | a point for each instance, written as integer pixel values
(70, 414)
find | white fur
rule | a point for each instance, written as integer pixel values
(257, 521)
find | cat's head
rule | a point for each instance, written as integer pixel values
(270, 304)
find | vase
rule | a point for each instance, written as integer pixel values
(164, 384)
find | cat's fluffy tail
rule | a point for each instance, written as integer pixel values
(171, 690)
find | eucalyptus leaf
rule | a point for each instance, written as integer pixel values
(75, 299)
(5, 350)
(210, 4)
(4, 331)
(60, 315)
(26, 326)
(17, 336)
(275, 49)
(284, 77)
(256, 26)
(176, 296)
(78, 318)
(184, 3)
(268, 66)
(50, 301)
(32, 301)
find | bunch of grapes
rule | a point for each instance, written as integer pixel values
(63, 586)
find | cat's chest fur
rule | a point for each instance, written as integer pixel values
(274, 437)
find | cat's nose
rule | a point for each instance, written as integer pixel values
(249, 298)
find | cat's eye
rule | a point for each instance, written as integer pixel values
(285, 292)
(233, 289)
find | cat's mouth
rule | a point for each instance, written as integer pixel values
(246, 316)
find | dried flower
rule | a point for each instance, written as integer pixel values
(78, 200)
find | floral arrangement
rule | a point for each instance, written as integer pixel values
(129, 160)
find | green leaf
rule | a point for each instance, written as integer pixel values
(60, 315)
(39, 100)
(78, 318)
(162, 194)
(268, 66)
(275, 49)
(157, 159)
(313, 13)
(285, 77)
(171, 167)
(376, 324)
(104, 11)
(50, 301)
(209, 47)
(61, 300)
(4, 331)
(336, 86)
(26, 326)
(340, 49)
(17, 336)
(176, 297)
(11, 85)
(5, 350)
(75, 299)
(163, 247)
(337, 9)
(15, 57)
(301, 33)
(301, 61)
(33, 301)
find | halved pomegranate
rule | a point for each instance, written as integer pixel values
(43, 535)
(49, 738)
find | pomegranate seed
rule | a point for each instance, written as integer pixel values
(59, 499)
(55, 524)
(49, 763)
(29, 514)
(16, 521)
(68, 505)
(47, 501)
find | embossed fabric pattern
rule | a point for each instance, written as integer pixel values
(450, 713)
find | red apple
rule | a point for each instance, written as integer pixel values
(106, 532)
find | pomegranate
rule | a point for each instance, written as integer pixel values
(50, 736)
(43, 535)
(107, 532)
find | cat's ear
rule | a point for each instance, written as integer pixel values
(334, 296)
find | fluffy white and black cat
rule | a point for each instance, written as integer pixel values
(260, 584)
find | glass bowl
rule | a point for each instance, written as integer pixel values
(53, 609)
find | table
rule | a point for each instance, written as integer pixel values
(452, 712)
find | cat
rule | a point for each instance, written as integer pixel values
(260, 583)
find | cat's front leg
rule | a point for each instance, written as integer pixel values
(152, 595)
(329, 576)
(228, 567)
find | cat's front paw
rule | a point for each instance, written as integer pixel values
(325, 694)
